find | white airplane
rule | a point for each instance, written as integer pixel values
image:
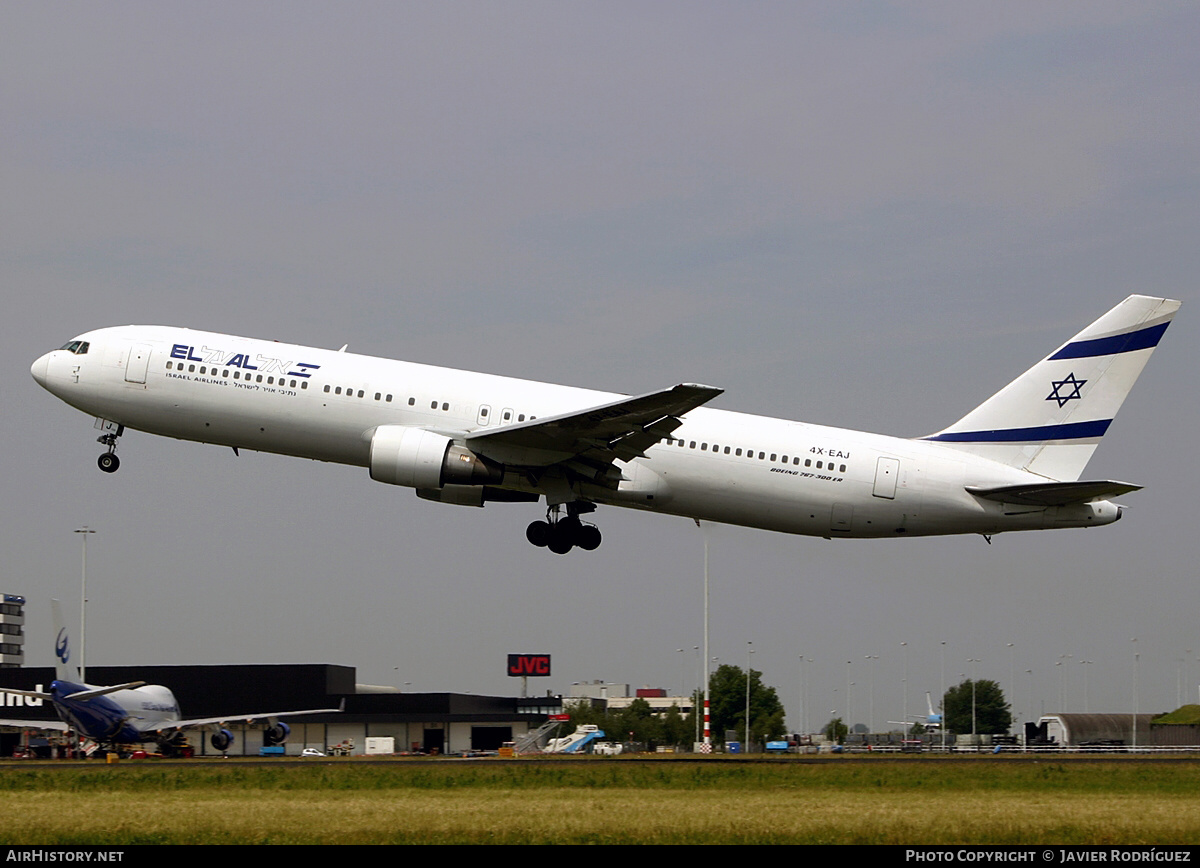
(1013, 463)
(132, 713)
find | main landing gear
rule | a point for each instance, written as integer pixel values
(109, 462)
(560, 534)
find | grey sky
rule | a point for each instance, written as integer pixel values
(866, 215)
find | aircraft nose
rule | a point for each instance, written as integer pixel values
(40, 369)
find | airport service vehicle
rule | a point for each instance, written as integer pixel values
(135, 712)
(456, 437)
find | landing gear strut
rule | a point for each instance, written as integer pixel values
(109, 462)
(560, 534)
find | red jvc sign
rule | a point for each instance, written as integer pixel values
(528, 664)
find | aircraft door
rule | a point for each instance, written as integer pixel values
(485, 415)
(137, 364)
(887, 471)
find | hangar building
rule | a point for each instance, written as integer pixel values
(428, 722)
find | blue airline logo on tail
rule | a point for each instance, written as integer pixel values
(62, 646)
(1069, 382)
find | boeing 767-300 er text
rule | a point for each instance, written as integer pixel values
(1013, 463)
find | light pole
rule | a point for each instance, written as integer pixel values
(974, 670)
(1135, 696)
(1012, 675)
(871, 692)
(749, 651)
(942, 701)
(86, 531)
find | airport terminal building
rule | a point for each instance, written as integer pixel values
(418, 722)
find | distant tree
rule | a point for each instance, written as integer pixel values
(992, 712)
(637, 722)
(676, 729)
(836, 731)
(728, 710)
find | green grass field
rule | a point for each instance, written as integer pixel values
(862, 800)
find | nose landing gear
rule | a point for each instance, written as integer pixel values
(109, 462)
(561, 534)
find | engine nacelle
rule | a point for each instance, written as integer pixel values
(221, 740)
(276, 734)
(421, 459)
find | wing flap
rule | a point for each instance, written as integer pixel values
(1055, 493)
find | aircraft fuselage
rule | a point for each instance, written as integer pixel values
(717, 465)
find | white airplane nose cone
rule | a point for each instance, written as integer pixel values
(40, 368)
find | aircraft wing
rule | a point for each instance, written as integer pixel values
(56, 725)
(619, 430)
(1055, 493)
(156, 725)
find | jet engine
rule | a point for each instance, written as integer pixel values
(401, 455)
(275, 734)
(221, 740)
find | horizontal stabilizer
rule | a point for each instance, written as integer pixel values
(1055, 493)
(102, 691)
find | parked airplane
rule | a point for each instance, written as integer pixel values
(1013, 463)
(134, 712)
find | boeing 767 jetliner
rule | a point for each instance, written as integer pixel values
(1012, 463)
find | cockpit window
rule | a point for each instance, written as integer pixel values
(79, 348)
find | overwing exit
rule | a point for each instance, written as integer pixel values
(1013, 463)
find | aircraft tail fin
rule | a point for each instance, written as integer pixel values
(63, 671)
(1051, 418)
